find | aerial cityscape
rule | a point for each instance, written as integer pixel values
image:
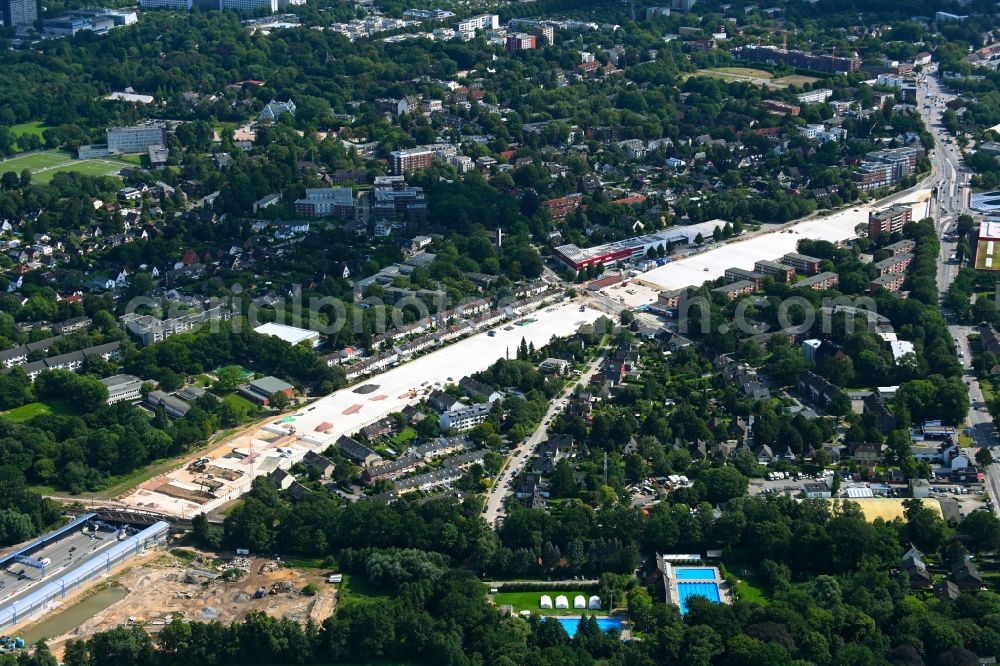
(515, 333)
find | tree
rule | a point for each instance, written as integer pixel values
(981, 531)
(722, 484)
(983, 457)
(279, 400)
(25, 177)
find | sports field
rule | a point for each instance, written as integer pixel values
(47, 163)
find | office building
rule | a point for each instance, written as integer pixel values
(19, 12)
(327, 202)
(136, 139)
(123, 387)
(411, 159)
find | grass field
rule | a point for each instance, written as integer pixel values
(36, 128)
(239, 401)
(45, 164)
(794, 80)
(33, 409)
(529, 601)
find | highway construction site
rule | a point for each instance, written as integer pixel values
(184, 584)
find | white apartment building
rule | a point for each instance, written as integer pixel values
(482, 22)
(136, 139)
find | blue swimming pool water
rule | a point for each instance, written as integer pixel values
(694, 573)
(685, 590)
(605, 623)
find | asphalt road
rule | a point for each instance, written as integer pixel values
(952, 182)
(71, 551)
(522, 455)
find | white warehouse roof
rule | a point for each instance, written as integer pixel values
(290, 334)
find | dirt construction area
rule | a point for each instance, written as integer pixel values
(166, 587)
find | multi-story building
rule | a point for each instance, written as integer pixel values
(275, 109)
(736, 289)
(901, 247)
(882, 168)
(19, 12)
(776, 55)
(249, 5)
(411, 159)
(819, 282)
(481, 22)
(136, 139)
(735, 274)
(149, 329)
(888, 221)
(802, 262)
(520, 41)
(100, 21)
(546, 33)
(780, 108)
(393, 200)
(895, 264)
(123, 387)
(465, 418)
(889, 282)
(815, 96)
(327, 202)
(781, 272)
(167, 4)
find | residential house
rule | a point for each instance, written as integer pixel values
(356, 451)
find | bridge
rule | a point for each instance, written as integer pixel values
(118, 512)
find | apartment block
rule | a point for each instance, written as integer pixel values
(136, 139)
(520, 42)
(780, 272)
(819, 282)
(149, 329)
(735, 274)
(19, 12)
(736, 289)
(889, 282)
(896, 264)
(411, 159)
(327, 202)
(802, 262)
(888, 221)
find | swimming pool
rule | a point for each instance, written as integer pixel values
(694, 573)
(606, 624)
(686, 590)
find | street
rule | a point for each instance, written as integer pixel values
(952, 183)
(521, 455)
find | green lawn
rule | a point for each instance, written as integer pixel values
(45, 164)
(33, 409)
(402, 438)
(529, 601)
(36, 127)
(239, 401)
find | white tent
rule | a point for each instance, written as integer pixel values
(579, 601)
(546, 601)
(562, 601)
(595, 603)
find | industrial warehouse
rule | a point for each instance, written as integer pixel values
(36, 577)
